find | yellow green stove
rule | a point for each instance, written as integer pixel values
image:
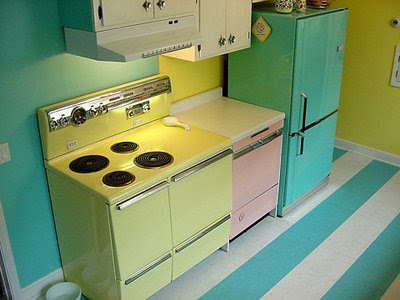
(136, 203)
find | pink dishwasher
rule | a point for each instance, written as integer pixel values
(256, 169)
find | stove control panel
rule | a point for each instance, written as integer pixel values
(132, 98)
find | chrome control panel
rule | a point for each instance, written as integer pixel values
(131, 97)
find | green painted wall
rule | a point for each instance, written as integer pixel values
(35, 71)
(369, 111)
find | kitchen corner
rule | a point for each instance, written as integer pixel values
(256, 135)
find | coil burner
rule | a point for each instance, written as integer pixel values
(124, 147)
(118, 178)
(89, 164)
(153, 160)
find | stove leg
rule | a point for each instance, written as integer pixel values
(225, 247)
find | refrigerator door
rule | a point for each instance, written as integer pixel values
(308, 168)
(318, 67)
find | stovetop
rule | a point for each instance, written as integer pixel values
(103, 165)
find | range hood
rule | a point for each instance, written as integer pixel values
(134, 42)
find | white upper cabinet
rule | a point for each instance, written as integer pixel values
(117, 13)
(125, 12)
(225, 26)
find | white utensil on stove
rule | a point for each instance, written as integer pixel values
(172, 121)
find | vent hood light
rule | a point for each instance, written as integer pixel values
(134, 42)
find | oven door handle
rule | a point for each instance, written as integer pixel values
(143, 195)
(200, 166)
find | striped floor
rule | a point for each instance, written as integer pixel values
(342, 243)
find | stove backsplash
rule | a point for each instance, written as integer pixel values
(75, 123)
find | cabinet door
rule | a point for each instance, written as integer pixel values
(238, 24)
(170, 8)
(125, 12)
(212, 27)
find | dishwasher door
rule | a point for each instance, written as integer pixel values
(256, 167)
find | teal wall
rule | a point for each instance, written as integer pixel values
(35, 71)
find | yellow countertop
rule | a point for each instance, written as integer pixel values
(228, 117)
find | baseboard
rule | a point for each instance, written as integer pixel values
(369, 152)
(38, 289)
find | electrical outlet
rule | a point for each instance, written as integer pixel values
(4, 153)
(395, 81)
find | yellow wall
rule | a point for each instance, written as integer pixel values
(189, 78)
(369, 111)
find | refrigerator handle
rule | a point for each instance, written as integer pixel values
(305, 102)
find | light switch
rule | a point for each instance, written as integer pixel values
(4, 153)
(396, 68)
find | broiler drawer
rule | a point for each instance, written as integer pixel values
(148, 280)
(199, 246)
(253, 211)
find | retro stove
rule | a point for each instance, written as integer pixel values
(136, 203)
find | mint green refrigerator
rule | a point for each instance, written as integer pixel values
(296, 70)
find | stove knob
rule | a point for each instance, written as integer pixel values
(78, 116)
(146, 107)
(63, 121)
(53, 124)
(91, 112)
(102, 109)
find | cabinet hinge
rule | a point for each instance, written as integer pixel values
(100, 12)
(248, 35)
(198, 48)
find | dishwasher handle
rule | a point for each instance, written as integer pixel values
(143, 195)
(257, 144)
(201, 166)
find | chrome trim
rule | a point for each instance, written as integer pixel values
(257, 144)
(201, 234)
(201, 165)
(148, 268)
(102, 103)
(259, 132)
(143, 195)
(167, 49)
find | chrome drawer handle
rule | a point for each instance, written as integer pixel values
(147, 269)
(201, 165)
(257, 144)
(201, 234)
(143, 195)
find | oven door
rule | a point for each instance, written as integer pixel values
(201, 195)
(141, 230)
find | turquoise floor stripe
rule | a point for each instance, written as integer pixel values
(259, 274)
(337, 153)
(374, 271)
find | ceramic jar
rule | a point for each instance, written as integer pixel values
(284, 6)
(300, 5)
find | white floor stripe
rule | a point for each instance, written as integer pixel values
(393, 292)
(215, 268)
(319, 271)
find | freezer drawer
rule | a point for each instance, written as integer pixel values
(253, 211)
(310, 164)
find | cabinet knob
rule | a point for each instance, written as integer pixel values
(222, 41)
(161, 4)
(232, 39)
(147, 5)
